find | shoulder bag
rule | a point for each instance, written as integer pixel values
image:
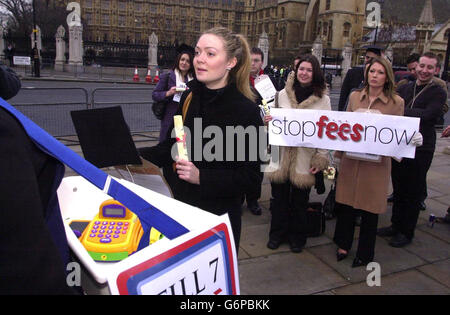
(159, 108)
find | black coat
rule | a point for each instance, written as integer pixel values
(427, 107)
(33, 246)
(222, 182)
(353, 79)
(31, 228)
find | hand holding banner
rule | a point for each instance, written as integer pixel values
(344, 131)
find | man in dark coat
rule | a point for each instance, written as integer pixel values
(33, 247)
(423, 99)
(355, 76)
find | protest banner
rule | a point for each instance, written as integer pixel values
(360, 132)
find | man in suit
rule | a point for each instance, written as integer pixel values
(355, 76)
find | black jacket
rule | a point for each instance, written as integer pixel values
(427, 107)
(31, 226)
(9, 83)
(353, 79)
(33, 246)
(223, 181)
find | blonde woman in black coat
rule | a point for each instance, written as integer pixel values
(215, 179)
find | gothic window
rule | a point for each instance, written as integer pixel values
(347, 27)
(122, 20)
(325, 29)
(105, 4)
(88, 18)
(330, 31)
(105, 19)
(327, 5)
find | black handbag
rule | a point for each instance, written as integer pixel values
(159, 108)
(315, 219)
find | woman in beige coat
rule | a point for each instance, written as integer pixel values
(362, 186)
(292, 181)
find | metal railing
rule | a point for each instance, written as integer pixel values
(138, 114)
(52, 112)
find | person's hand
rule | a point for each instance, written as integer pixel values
(314, 170)
(188, 172)
(417, 139)
(446, 132)
(171, 92)
(267, 118)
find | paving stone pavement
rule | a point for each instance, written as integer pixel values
(422, 267)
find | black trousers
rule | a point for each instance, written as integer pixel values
(253, 195)
(235, 216)
(345, 230)
(289, 213)
(409, 180)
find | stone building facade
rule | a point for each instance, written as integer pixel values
(291, 25)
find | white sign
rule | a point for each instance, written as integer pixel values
(265, 87)
(22, 61)
(361, 132)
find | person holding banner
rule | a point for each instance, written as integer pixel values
(219, 98)
(292, 181)
(362, 184)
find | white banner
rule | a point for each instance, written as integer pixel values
(361, 132)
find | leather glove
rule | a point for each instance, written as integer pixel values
(417, 139)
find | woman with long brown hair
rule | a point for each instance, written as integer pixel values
(362, 185)
(292, 181)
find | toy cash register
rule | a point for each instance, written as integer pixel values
(114, 233)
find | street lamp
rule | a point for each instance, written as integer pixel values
(36, 62)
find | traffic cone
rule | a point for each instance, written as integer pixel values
(136, 75)
(148, 78)
(156, 78)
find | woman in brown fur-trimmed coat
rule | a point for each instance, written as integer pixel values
(292, 181)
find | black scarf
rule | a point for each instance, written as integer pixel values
(302, 92)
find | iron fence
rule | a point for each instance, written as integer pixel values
(53, 112)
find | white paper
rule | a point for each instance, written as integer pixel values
(177, 96)
(265, 87)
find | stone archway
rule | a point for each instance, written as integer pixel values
(311, 20)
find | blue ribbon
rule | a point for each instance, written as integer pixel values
(149, 215)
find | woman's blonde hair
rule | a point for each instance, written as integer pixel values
(236, 46)
(389, 86)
